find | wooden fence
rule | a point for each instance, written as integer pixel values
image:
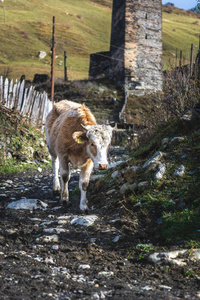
(30, 103)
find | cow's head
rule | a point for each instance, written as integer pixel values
(97, 139)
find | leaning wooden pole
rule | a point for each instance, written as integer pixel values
(53, 60)
(191, 60)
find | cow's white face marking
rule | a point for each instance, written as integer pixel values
(99, 137)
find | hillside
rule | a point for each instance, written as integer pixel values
(82, 27)
(180, 30)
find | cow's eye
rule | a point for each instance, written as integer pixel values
(92, 144)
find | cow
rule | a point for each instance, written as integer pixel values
(73, 137)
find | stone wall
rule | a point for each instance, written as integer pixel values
(136, 46)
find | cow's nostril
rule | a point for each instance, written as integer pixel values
(103, 166)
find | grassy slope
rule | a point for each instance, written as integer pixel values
(28, 29)
(82, 27)
(167, 210)
(180, 30)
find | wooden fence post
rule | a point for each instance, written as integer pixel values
(191, 60)
(180, 61)
(65, 67)
(53, 60)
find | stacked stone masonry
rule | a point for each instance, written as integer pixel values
(135, 57)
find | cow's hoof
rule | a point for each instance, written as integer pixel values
(56, 193)
(66, 204)
(84, 209)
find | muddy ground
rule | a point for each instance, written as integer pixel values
(80, 262)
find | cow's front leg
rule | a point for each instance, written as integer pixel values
(83, 183)
(65, 176)
(56, 182)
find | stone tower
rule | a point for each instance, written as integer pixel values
(135, 56)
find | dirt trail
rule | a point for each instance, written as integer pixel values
(43, 255)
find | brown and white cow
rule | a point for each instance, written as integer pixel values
(74, 137)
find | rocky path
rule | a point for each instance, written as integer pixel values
(56, 253)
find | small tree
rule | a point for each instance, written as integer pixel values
(196, 9)
(170, 4)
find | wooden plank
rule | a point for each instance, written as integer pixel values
(20, 95)
(10, 95)
(32, 105)
(5, 94)
(28, 100)
(35, 110)
(16, 95)
(12, 103)
(25, 100)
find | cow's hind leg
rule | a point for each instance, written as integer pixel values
(56, 181)
(65, 176)
(83, 184)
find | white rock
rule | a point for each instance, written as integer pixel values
(147, 288)
(48, 238)
(63, 222)
(41, 54)
(84, 221)
(115, 174)
(95, 177)
(46, 223)
(168, 257)
(84, 267)
(64, 217)
(156, 157)
(115, 164)
(143, 184)
(116, 239)
(195, 255)
(9, 155)
(127, 186)
(29, 204)
(95, 296)
(49, 260)
(105, 274)
(110, 192)
(165, 141)
(160, 172)
(165, 287)
(180, 171)
(55, 247)
(35, 219)
(54, 230)
(102, 295)
(177, 139)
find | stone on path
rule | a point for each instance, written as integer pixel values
(84, 221)
(180, 171)
(156, 157)
(168, 257)
(160, 172)
(28, 204)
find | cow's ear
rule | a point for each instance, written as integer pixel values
(80, 137)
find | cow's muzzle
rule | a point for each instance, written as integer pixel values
(103, 166)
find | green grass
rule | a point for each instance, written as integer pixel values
(180, 30)
(82, 27)
(172, 204)
(28, 29)
(18, 138)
